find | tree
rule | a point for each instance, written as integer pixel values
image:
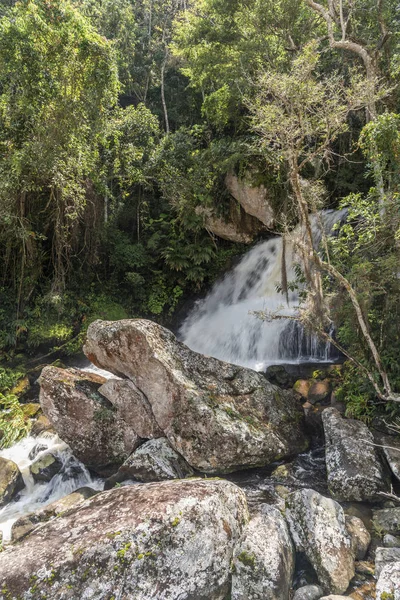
(299, 116)
(58, 81)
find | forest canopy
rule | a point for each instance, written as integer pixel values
(119, 121)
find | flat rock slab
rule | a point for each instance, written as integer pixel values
(355, 472)
(170, 540)
(218, 416)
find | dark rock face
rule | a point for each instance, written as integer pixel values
(155, 460)
(85, 419)
(11, 481)
(263, 562)
(170, 540)
(354, 470)
(218, 416)
(388, 520)
(45, 467)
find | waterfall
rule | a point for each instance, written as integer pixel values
(223, 325)
(36, 495)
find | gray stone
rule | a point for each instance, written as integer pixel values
(318, 529)
(155, 460)
(387, 520)
(253, 199)
(133, 407)
(391, 450)
(172, 540)
(308, 592)
(385, 556)
(218, 416)
(11, 481)
(28, 523)
(360, 536)
(85, 419)
(391, 541)
(263, 562)
(388, 586)
(353, 467)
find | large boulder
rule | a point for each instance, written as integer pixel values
(218, 416)
(388, 586)
(155, 460)
(85, 419)
(263, 562)
(319, 530)
(133, 407)
(11, 481)
(359, 535)
(384, 557)
(253, 199)
(170, 540)
(355, 472)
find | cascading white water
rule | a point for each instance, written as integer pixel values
(72, 476)
(223, 324)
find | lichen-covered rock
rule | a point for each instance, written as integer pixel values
(391, 541)
(385, 556)
(219, 417)
(45, 467)
(263, 562)
(308, 592)
(170, 540)
(388, 586)
(391, 449)
(85, 419)
(353, 467)
(155, 460)
(11, 481)
(359, 535)
(318, 529)
(26, 524)
(133, 407)
(387, 520)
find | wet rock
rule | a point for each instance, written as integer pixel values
(11, 481)
(388, 585)
(170, 540)
(353, 467)
(218, 416)
(37, 449)
(308, 592)
(155, 460)
(41, 426)
(85, 419)
(360, 536)
(302, 387)
(263, 562)
(28, 523)
(366, 591)
(45, 467)
(385, 556)
(318, 529)
(391, 541)
(387, 520)
(365, 568)
(133, 407)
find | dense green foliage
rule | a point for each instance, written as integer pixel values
(119, 121)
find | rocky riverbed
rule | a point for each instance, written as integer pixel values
(218, 484)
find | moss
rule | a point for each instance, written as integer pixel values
(247, 559)
(175, 522)
(387, 596)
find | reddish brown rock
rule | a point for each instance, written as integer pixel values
(218, 416)
(85, 419)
